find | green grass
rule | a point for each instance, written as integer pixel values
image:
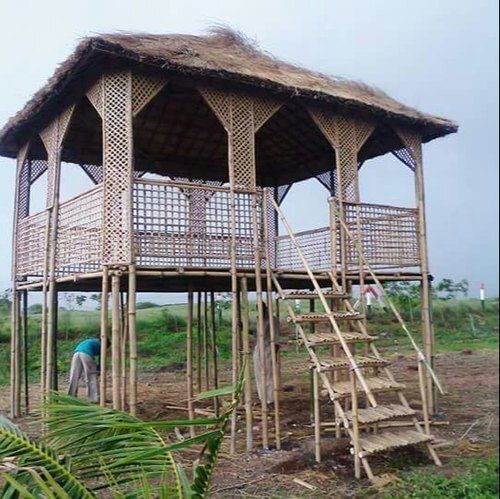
(477, 479)
(161, 332)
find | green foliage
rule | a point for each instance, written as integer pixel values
(146, 304)
(36, 308)
(479, 481)
(447, 289)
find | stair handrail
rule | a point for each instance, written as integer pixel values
(364, 261)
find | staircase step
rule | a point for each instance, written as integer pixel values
(335, 363)
(381, 413)
(313, 317)
(311, 295)
(371, 444)
(320, 339)
(374, 383)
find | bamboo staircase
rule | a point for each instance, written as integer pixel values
(352, 379)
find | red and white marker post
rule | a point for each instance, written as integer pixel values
(481, 296)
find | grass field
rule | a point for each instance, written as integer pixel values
(161, 332)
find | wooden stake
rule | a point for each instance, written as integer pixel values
(25, 353)
(317, 417)
(132, 331)
(104, 335)
(213, 342)
(115, 338)
(247, 363)
(189, 360)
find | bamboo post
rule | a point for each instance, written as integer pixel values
(312, 310)
(198, 342)
(317, 417)
(355, 424)
(25, 353)
(132, 331)
(247, 354)
(423, 394)
(213, 332)
(123, 350)
(14, 357)
(260, 321)
(104, 334)
(272, 331)
(206, 357)
(189, 361)
(55, 370)
(115, 338)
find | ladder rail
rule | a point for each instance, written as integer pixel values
(326, 307)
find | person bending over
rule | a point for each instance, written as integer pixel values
(83, 361)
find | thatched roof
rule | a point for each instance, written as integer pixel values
(222, 56)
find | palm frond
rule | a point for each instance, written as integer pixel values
(26, 458)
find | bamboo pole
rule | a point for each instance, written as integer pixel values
(248, 358)
(213, 332)
(14, 356)
(123, 350)
(55, 370)
(115, 338)
(423, 394)
(206, 357)
(189, 361)
(198, 342)
(355, 425)
(260, 321)
(25, 353)
(272, 331)
(132, 330)
(317, 418)
(104, 334)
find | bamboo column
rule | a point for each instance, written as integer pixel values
(355, 425)
(247, 355)
(272, 331)
(198, 342)
(132, 331)
(260, 321)
(104, 334)
(123, 350)
(206, 357)
(317, 417)
(25, 353)
(55, 370)
(213, 332)
(115, 338)
(15, 408)
(189, 361)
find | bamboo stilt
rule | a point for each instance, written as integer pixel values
(260, 322)
(206, 357)
(198, 343)
(14, 357)
(248, 358)
(213, 341)
(189, 361)
(55, 370)
(132, 331)
(423, 394)
(25, 353)
(355, 425)
(115, 338)
(123, 350)
(104, 335)
(317, 417)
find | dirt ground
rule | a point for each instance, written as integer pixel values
(467, 427)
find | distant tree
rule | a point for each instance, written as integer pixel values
(447, 289)
(36, 308)
(97, 298)
(5, 301)
(80, 300)
(146, 304)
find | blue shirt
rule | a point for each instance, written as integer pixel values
(90, 347)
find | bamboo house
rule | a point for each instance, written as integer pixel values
(192, 144)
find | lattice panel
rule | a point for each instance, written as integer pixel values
(412, 143)
(389, 235)
(165, 234)
(327, 123)
(94, 172)
(37, 168)
(220, 103)
(329, 181)
(281, 192)
(31, 244)
(144, 89)
(347, 160)
(23, 183)
(315, 245)
(96, 96)
(79, 246)
(117, 160)
(263, 109)
(405, 157)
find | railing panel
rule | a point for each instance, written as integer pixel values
(389, 235)
(79, 233)
(31, 240)
(188, 225)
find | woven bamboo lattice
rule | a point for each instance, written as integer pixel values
(167, 232)
(315, 245)
(31, 244)
(389, 236)
(79, 233)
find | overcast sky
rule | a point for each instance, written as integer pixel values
(441, 57)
